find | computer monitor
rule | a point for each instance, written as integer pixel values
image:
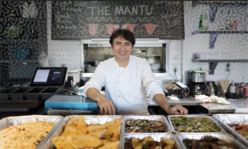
(49, 76)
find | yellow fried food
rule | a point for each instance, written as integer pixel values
(106, 141)
(95, 128)
(149, 138)
(167, 142)
(158, 147)
(110, 131)
(26, 135)
(62, 143)
(112, 145)
(78, 123)
(84, 141)
(135, 142)
(71, 131)
(98, 134)
(117, 130)
(168, 146)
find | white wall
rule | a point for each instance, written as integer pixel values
(227, 46)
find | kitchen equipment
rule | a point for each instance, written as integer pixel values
(245, 89)
(211, 88)
(70, 105)
(76, 74)
(197, 81)
(232, 91)
(224, 85)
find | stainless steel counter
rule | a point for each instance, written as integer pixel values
(191, 101)
(220, 108)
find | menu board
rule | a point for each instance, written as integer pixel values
(98, 19)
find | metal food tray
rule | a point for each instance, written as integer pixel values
(222, 136)
(17, 120)
(156, 137)
(225, 119)
(90, 119)
(216, 122)
(149, 117)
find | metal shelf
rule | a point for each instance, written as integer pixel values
(219, 32)
(16, 61)
(219, 60)
(220, 3)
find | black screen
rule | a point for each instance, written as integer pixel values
(52, 76)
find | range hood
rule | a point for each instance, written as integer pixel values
(139, 42)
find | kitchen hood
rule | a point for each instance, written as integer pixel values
(139, 42)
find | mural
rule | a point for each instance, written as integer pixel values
(23, 36)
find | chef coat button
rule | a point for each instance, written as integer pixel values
(128, 95)
(119, 96)
(117, 81)
(127, 80)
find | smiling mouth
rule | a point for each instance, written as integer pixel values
(122, 54)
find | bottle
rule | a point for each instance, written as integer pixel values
(200, 22)
(205, 22)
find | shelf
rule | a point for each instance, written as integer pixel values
(16, 61)
(219, 60)
(219, 32)
(220, 3)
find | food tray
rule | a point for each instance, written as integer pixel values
(225, 119)
(216, 122)
(90, 119)
(151, 117)
(155, 136)
(223, 136)
(17, 120)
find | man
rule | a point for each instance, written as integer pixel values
(126, 79)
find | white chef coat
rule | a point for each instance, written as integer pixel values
(126, 88)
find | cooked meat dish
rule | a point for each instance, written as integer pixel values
(208, 142)
(142, 125)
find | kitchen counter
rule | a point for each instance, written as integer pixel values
(220, 108)
(191, 101)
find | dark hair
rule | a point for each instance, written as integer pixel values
(126, 34)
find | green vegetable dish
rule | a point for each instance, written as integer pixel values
(142, 125)
(194, 124)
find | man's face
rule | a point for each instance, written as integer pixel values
(122, 49)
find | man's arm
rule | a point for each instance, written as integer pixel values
(104, 104)
(163, 103)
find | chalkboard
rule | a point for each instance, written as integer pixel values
(98, 19)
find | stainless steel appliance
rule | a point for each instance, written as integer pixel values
(197, 83)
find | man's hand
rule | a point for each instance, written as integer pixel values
(106, 106)
(177, 110)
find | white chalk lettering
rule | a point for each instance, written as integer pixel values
(119, 10)
(80, 3)
(141, 7)
(92, 10)
(127, 10)
(100, 10)
(149, 13)
(106, 11)
(135, 10)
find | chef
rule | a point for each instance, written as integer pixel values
(127, 79)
